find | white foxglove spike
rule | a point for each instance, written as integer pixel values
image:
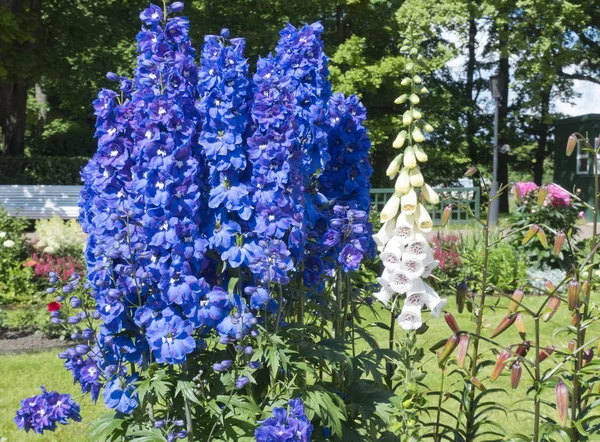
(408, 202)
(385, 233)
(418, 247)
(413, 268)
(398, 281)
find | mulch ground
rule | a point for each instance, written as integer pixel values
(27, 340)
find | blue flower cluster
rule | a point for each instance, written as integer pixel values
(286, 425)
(42, 412)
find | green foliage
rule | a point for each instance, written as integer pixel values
(41, 170)
(58, 237)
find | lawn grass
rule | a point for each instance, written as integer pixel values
(22, 374)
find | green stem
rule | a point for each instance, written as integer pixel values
(439, 407)
(537, 398)
(188, 412)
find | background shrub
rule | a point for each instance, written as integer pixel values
(41, 170)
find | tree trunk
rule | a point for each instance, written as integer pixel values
(469, 88)
(504, 72)
(13, 106)
(540, 153)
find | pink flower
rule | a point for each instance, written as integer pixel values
(582, 214)
(558, 197)
(526, 188)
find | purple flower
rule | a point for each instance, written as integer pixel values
(43, 412)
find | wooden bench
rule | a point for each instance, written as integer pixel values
(36, 202)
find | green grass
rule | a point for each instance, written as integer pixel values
(22, 374)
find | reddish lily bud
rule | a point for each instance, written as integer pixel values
(477, 383)
(571, 345)
(471, 171)
(533, 230)
(571, 143)
(542, 194)
(549, 286)
(446, 214)
(585, 289)
(575, 320)
(573, 294)
(520, 324)
(546, 353)
(461, 294)
(500, 364)
(542, 237)
(448, 348)
(451, 321)
(562, 402)
(517, 195)
(588, 355)
(504, 324)
(463, 345)
(558, 242)
(517, 297)
(515, 375)
(551, 308)
(523, 348)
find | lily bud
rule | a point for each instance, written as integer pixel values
(417, 79)
(401, 99)
(522, 349)
(477, 383)
(461, 295)
(403, 182)
(417, 115)
(451, 321)
(517, 195)
(428, 128)
(405, 81)
(469, 302)
(542, 237)
(515, 375)
(423, 219)
(588, 355)
(533, 230)
(420, 154)
(562, 402)
(463, 346)
(504, 325)
(520, 325)
(418, 135)
(542, 194)
(571, 143)
(517, 297)
(448, 348)
(400, 139)
(390, 209)
(549, 286)
(585, 289)
(575, 320)
(408, 202)
(573, 294)
(416, 177)
(500, 364)
(394, 166)
(551, 308)
(410, 161)
(546, 353)
(471, 171)
(407, 118)
(414, 99)
(571, 345)
(430, 195)
(446, 214)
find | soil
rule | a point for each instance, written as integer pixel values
(27, 340)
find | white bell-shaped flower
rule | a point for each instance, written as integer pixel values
(403, 182)
(408, 202)
(397, 280)
(423, 220)
(413, 268)
(405, 226)
(418, 247)
(434, 302)
(390, 209)
(430, 195)
(430, 264)
(416, 299)
(385, 233)
(410, 318)
(392, 254)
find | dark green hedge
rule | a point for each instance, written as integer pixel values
(41, 170)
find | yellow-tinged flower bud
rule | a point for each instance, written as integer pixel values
(420, 154)
(390, 209)
(504, 325)
(573, 294)
(446, 214)
(517, 195)
(417, 79)
(430, 195)
(471, 171)
(515, 375)
(562, 402)
(533, 230)
(477, 383)
(407, 118)
(500, 364)
(542, 194)
(418, 135)
(408, 202)
(405, 81)
(394, 166)
(417, 115)
(414, 99)
(410, 160)
(385, 233)
(401, 99)
(558, 242)
(423, 219)
(428, 128)
(400, 139)
(585, 288)
(403, 182)
(517, 297)
(571, 143)
(463, 346)
(549, 286)
(520, 325)
(424, 90)
(447, 350)
(416, 178)
(551, 308)
(542, 237)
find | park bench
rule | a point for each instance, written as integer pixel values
(36, 202)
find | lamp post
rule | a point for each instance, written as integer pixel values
(496, 89)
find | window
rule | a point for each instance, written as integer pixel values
(583, 164)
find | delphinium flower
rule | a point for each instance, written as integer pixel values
(286, 425)
(405, 251)
(42, 412)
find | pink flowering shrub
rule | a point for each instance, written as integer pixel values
(45, 263)
(446, 251)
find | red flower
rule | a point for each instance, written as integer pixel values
(53, 306)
